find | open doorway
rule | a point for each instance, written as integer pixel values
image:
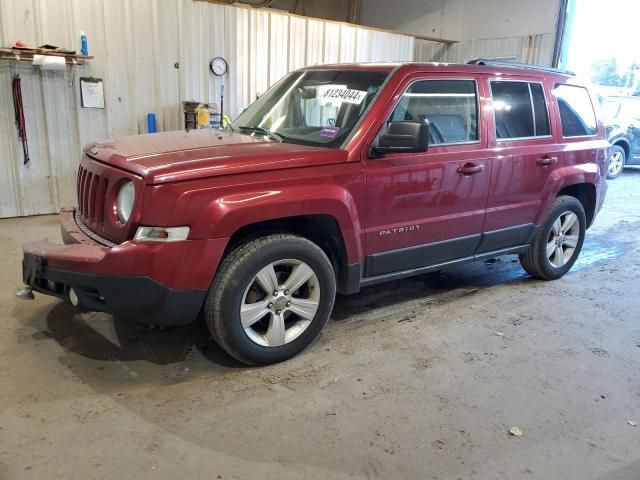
(601, 42)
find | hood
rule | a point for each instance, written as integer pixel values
(175, 156)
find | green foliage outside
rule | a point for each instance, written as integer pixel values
(608, 72)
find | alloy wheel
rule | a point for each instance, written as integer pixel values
(563, 239)
(616, 163)
(280, 303)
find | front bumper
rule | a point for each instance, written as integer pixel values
(151, 283)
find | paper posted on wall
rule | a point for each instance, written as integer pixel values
(92, 92)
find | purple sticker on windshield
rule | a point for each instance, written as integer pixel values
(330, 132)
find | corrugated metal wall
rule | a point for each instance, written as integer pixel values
(136, 45)
(533, 49)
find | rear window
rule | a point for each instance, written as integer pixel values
(450, 107)
(576, 111)
(520, 110)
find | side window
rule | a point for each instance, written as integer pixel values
(520, 110)
(576, 111)
(450, 106)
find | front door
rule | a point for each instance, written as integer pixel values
(428, 208)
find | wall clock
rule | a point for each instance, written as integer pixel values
(218, 66)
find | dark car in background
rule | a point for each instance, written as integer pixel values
(622, 120)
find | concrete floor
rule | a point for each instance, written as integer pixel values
(418, 379)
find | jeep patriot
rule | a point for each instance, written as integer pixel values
(337, 178)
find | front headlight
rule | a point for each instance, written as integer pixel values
(124, 201)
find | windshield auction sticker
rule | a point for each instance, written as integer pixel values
(344, 94)
(330, 132)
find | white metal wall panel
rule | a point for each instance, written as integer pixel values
(35, 181)
(203, 38)
(166, 37)
(533, 49)
(119, 73)
(279, 47)
(242, 66)
(407, 47)
(315, 42)
(62, 149)
(347, 44)
(332, 42)
(10, 159)
(136, 45)
(194, 44)
(380, 48)
(17, 20)
(232, 79)
(364, 45)
(297, 42)
(143, 55)
(258, 53)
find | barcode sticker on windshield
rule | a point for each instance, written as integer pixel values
(344, 94)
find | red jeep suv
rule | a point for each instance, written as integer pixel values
(337, 178)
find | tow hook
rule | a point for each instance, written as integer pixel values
(26, 293)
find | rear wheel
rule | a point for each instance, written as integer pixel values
(558, 241)
(270, 299)
(617, 159)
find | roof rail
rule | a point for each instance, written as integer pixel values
(508, 63)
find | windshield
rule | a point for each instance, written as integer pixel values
(316, 107)
(610, 110)
(620, 111)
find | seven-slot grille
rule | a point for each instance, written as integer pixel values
(92, 192)
(97, 186)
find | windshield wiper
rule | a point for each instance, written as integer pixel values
(264, 131)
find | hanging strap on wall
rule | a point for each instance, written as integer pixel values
(21, 124)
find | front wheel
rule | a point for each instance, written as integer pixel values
(558, 241)
(270, 299)
(616, 161)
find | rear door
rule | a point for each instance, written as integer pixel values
(526, 153)
(428, 208)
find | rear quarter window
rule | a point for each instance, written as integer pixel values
(577, 115)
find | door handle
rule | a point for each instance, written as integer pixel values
(470, 169)
(546, 161)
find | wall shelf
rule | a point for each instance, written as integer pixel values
(27, 54)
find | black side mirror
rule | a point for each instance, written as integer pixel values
(404, 137)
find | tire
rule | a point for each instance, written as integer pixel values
(543, 260)
(291, 320)
(617, 160)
